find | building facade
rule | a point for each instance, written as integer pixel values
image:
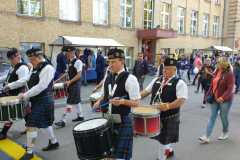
(231, 29)
(151, 26)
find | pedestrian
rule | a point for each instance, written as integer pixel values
(140, 69)
(220, 98)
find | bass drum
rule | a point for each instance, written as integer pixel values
(93, 139)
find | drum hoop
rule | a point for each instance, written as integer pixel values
(11, 102)
(149, 135)
(58, 86)
(146, 115)
(90, 130)
(91, 97)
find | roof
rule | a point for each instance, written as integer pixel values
(86, 42)
(220, 48)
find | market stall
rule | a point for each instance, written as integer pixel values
(83, 43)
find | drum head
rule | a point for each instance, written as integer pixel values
(9, 100)
(90, 124)
(95, 96)
(58, 85)
(145, 111)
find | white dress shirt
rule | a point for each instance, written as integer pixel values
(45, 77)
(23, 75)
(131, 86)
(181, 88)
(78, 65)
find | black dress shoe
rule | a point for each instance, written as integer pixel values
(27, 156)
(60, 124)
(51, 146)
(78, 119)
(2, 136)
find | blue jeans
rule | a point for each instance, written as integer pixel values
(237, 79)
(223, 108)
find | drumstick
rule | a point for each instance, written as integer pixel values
(107, 103)
(64, 75)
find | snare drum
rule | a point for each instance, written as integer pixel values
(95, 96)
(59, 91)
(146, 121)
(93, 139)
(11, 108)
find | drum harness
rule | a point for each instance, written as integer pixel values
(157, 97)
(159, 91)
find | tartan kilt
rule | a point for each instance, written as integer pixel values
(123, 139)
(169, 132)
(74, 93)
(42, 113)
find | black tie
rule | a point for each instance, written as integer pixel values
(114, 78)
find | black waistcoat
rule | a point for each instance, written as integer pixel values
(72, 71)
(34, 80)
(169, 95)
(119, 92)
(14, 77)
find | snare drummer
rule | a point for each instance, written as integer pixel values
(14, 82)
(169, 95)
(74, 69)
(124, 85)
(40, 95)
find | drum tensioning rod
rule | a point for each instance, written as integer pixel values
(145, 127)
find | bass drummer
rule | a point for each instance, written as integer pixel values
(168, 94)
(15, 81)
(121, 89)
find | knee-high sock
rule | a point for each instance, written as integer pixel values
(168, 146)
(162, 151)
(67, 112)
(31, 138)
(50, 134)
(161, 155)
(79, 109)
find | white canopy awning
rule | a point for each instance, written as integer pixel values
(86, 42)
(221, 48)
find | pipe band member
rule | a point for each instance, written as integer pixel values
(168, 94)
(40, 95)
(14, 82)
(74, 70)
(119, 84)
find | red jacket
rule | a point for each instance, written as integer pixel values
(225, 86)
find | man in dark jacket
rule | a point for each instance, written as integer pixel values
(140, 69)
(61, 64)
(100, 65)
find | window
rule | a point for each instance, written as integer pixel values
(205, 25)
(181, 20)
(128, 52)
(69, 10)
(194, 23)
(216, 21)
(217, 2)
(30, 7)
(126, 13)
(100, 12)
(165, 51)
(148, 14)
(165, 16)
